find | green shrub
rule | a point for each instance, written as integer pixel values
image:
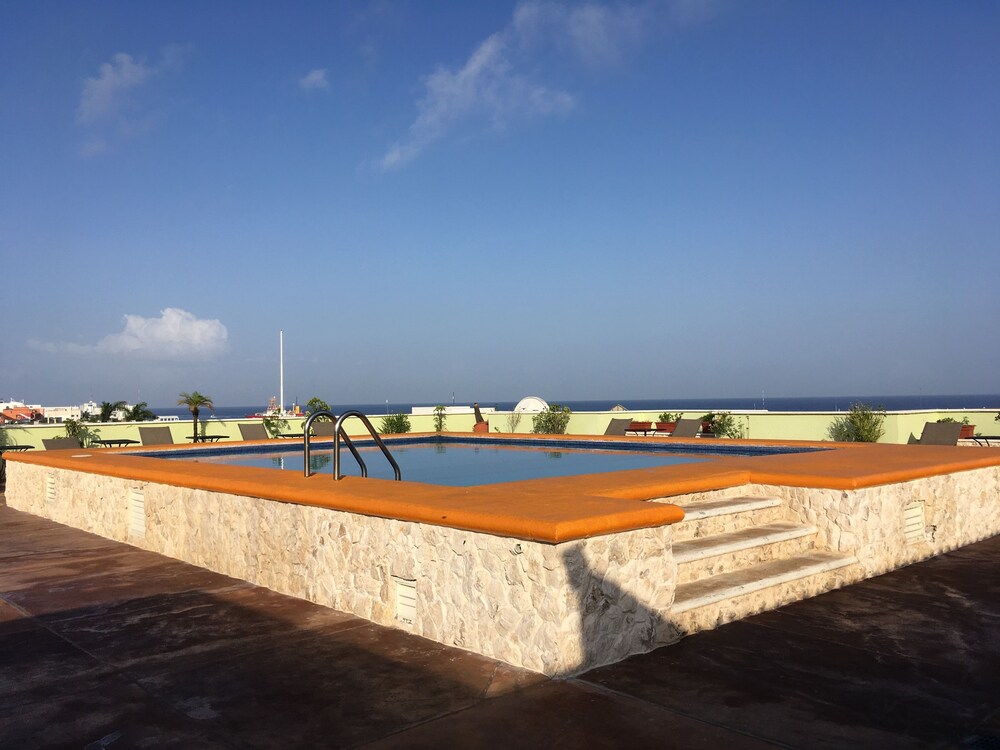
(316, 404)
(439, 418)
(78, 429)
(394, 424)
(552, 421)
(670, 416)
(725, 424)
(275, 424)
(862, 424)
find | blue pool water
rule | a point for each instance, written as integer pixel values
(458, 463)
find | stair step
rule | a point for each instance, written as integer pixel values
(748, 580)
(711, 508)
(727, 514)
(703, 547)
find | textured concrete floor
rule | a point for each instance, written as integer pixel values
(104, 645)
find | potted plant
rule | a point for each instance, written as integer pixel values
(708, 424)
(667, 421)
(968, 430)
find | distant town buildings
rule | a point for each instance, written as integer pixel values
(18, 412)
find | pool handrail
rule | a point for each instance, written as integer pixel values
(338, 432)
(307, 450)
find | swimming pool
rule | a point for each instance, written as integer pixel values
(457, 462)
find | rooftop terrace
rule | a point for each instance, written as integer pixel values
(106, 645)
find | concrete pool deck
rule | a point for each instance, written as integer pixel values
(106, 645)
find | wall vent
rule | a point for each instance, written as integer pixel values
(137, 513)
(405, 600)
(50, 490)
(913, 522)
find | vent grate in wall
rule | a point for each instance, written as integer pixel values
(136, 513)
(405, 600)
(50, 489)
(913, 522)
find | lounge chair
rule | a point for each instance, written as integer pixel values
(687, 428)
(323, 428)
(156, 436)
(254, 432)
(55, 444)
(940, 433)
(618, 427)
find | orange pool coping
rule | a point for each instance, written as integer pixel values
(552, 510)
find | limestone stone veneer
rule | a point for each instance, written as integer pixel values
(555, 608)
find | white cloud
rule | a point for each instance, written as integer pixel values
(102, 96)
(486, 86)
(595, 34)
(176, 334)
(109, 103)
(498, 83)
(314, 79)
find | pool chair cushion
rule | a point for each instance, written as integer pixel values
(940, 433)
(687, 428)
(55, 444)
(156, 436)
(254, 432)
(617, 426)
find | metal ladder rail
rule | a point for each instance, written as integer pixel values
(307, 452)
(338, 431)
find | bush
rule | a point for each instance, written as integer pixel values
(86, 435)
(670, 416)
(275, 424)
(394, 424)
(725, 424)
(439, 418)
(552, 421)
(862, 424)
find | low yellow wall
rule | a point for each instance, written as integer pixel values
(900, 427)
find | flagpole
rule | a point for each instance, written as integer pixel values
(281, 371)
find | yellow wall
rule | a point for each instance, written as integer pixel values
(900, 427)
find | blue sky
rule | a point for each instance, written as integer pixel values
(607, 200)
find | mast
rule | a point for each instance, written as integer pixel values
(281, 371)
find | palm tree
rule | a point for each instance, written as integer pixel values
(108, 409)
(139, 413)
(195, 402)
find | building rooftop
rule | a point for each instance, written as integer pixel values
(106, 645)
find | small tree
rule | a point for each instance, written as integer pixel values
(551, 421)
(394, 424)
(862, 424)
(513, 421)
(80, 431)
(725, 424)
(439, 418)
(195, 402)
(316, 404)
(670, 416)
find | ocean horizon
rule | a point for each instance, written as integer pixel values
(774, 404)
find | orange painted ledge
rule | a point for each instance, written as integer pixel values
(545, 510)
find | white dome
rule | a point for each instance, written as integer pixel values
(531, 405)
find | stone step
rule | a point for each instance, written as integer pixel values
(724, 553)
(712, 517)
(775, 574)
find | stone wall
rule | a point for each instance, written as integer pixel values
(558, 609)
(869, 523)
(555, 608)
